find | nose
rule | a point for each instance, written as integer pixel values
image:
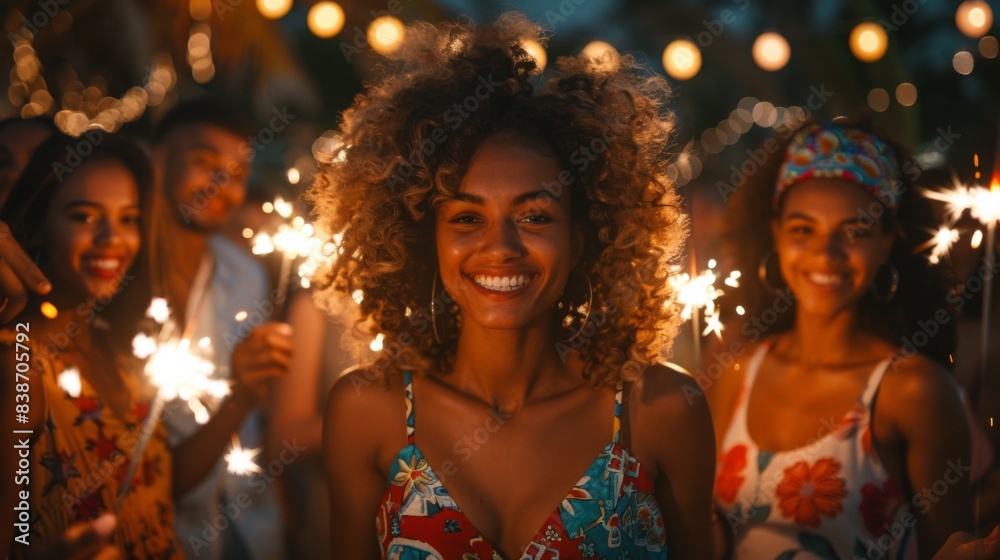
(502, 241)
(833, 245)
(109, 233)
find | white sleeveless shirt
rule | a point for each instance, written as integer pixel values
(830, 499)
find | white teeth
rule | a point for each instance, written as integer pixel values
(826, 279)
(502, 283)
(104, 264)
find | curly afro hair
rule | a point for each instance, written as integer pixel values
(408, 139)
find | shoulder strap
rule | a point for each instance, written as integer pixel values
(874, 381)
(617, 436)
(754, 366)
(408, 396)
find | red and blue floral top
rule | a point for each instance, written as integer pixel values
(611, 513)
(831, 499)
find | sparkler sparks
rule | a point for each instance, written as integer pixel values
(295, 239)
(699, 292)
(240, 461)
(69, 381)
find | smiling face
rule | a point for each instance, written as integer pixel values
(829, 254)
(204, 171)
(91, 232)
(505, 244)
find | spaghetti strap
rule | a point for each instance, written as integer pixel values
(754, 366)
(874, 381)
(408, 396)
(617, 437)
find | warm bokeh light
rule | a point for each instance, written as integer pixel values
(868, 41)
(682, 59)
(537, 52)
(906, 94)
(385, 34)
(49, 311)
(988, 46)
(604, 55)
(326, 19)
(878, 100)
(974, 18)
(771, 51)
(273, 9)
(963, 62)
(200, 9)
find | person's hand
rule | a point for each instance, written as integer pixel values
(18, 275)
(86, 540)
(965, 546)
(264, 355)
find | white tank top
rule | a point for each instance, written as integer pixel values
(830, 499)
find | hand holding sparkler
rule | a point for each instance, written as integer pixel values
(265, 355)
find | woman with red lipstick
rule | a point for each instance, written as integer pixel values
(840, 432)
(79, 217)
(512, 245)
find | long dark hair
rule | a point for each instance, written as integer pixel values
(26, 208)
(923, 287)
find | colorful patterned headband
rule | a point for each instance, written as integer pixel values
(838, 152)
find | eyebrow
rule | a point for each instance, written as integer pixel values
(204, 148)
(801, 216)
(519, 199)
(80, 202)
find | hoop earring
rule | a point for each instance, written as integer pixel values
(590, 306)
(893, 286)
(762, 272)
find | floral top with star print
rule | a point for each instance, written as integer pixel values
(79, 459)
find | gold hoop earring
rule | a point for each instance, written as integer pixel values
(893, 286)
(590, 306)
(434, 307)
(762, 272)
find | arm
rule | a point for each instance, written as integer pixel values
(18, 274)
(685, 459)
(293, 418)
(354, 418)
(257, 361)
(721, 393)
(926, 412)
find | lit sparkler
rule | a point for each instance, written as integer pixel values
(295, 239)
(178, 372)
(240, 461)
(940, 243)
(69, 381)
(693, 294)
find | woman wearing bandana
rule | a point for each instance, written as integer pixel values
(840, 432)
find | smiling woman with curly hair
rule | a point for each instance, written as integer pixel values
(513, 247)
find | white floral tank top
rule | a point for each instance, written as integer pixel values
(831, 499)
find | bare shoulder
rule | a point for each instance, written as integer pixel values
(670, 400)
(364, 393)
(918, 387)
(672, 426)
(919, 377)
(364, 410)
(665, 391)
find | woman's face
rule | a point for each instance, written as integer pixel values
(506, 244)
(91, 231)
(829, 245)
